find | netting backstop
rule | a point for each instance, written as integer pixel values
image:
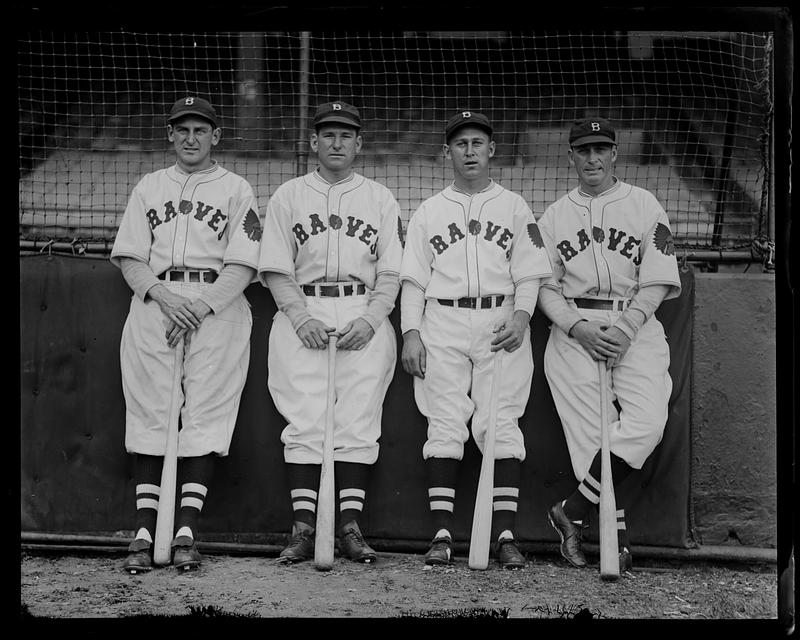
(693, 111)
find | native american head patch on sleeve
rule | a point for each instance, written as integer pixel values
(535, 235)
(252, 226)
(662, 239)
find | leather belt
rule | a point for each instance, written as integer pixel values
(334, 290)
(188, 275)
(604, 305)
(487, 302)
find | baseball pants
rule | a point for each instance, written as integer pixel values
(640, 383)
(298, 383)
(458, 381)
(215, 363)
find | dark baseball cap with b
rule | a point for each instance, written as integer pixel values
(337, 112)
(466, 118)
(589, 130)
(193, 106)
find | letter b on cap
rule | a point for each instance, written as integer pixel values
(595, 126)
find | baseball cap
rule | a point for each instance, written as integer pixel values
(588, 130)
(337, 111)
(191, 105)
(464, 118)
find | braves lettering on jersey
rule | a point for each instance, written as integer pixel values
(610, 245)
(318, 232)
(459, 245)
(201, 220)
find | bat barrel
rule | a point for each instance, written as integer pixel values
(165, 518)
(326, 498)
(609, 551)
(480, 538)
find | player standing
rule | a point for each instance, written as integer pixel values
(470, 277)
(331, 258)
(187, 246)
(613, 260)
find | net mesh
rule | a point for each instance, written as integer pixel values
(692, 111)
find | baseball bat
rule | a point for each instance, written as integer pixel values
(326, 498)
(609, 551)
(480, 538)
(165, 520)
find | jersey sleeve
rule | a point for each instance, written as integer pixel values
(545, 224)
(134, 235)
(659, 264)
(529, 259)
(246, 228)
(278, 246)
(417, 254)
(390, 249)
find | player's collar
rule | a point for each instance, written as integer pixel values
(611, 189)
(214, 166)
(320, 177)
(486, 189)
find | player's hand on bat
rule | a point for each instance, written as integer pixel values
(414, 356)
(355, 335)
(174, 333)
(510, 334)
(175, 307)
(624, 343)
(592, 336)
(314, 334)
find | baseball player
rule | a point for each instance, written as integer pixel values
(613, 260)
(187, 246)
(470, 278)
(331, 258)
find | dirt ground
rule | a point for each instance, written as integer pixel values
(92, 585)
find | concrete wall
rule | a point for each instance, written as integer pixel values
(734, 423)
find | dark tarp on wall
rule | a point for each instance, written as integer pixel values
(77, 478)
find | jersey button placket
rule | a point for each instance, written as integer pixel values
(471, 250)
(332, 270)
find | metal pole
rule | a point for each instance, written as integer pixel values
(302, 116)
(723, 183)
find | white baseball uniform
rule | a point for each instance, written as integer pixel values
(479, 246)
(342, 235)
(187, 225)
(607, 248)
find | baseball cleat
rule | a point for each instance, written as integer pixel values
(508, 554)
(185, 554)
(353, 546)
(570, 533)
(301, 545)
(441, 551)
(140, 556)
